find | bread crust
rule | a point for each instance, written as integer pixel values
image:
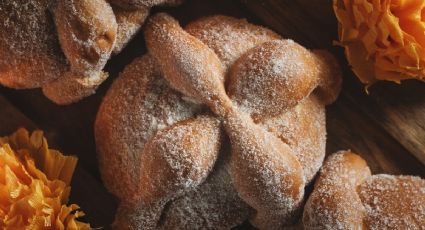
(263, 178)
(30, 53)
(140, 4)
(63, 45)
(129, 23)
(347, 196)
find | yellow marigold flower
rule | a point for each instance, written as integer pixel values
(383, 39)
(34, 185)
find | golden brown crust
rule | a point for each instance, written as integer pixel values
(137, 105)
(45, 40)
(266, 165)
(188, 65)
(30, 53)
(334, 203)
(330, 77)
(346, 196)
(129, 23)
(140, 4)
(393, 202)
(87, 32)
(273, 77)
(72, 87)
(229, 37)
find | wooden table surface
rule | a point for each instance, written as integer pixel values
(387, 127)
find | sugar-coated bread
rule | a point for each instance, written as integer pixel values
(264, 163)
(393, 202)
(229, 37)
(30, 53)
(273, 77)
(188, 65)
(215, 204)
(347, 196)
(265, 171)
(334, 203)
(87, 32)
(138, 104)
(303, 129)
(73, 86)
(179, 158)
(129, 23)
(176, 160)
(139, 4)
(62, 46)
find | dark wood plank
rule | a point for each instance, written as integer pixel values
(399, 109)
(11, 119)
(86, 191)
(348, 128)
(293, 20)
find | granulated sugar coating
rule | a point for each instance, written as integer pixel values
(147, 140)
(137, 105)
(229, 37)
(64, 45)
(129, 23)
(334, 203)
(394, 202)
(139, 4)
(30, 54)
(346, 196)
(273, 77)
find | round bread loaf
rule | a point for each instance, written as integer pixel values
(261, 169)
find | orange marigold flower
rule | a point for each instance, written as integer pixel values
(383, 39)
(34, 185)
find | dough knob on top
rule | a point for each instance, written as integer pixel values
(188, 65)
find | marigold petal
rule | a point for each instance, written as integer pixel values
(34, 184)
(383, 39)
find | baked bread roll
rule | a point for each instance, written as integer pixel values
(30, 53)
(262, 166)
(62, 46)
(347, 196)
(140, 4)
